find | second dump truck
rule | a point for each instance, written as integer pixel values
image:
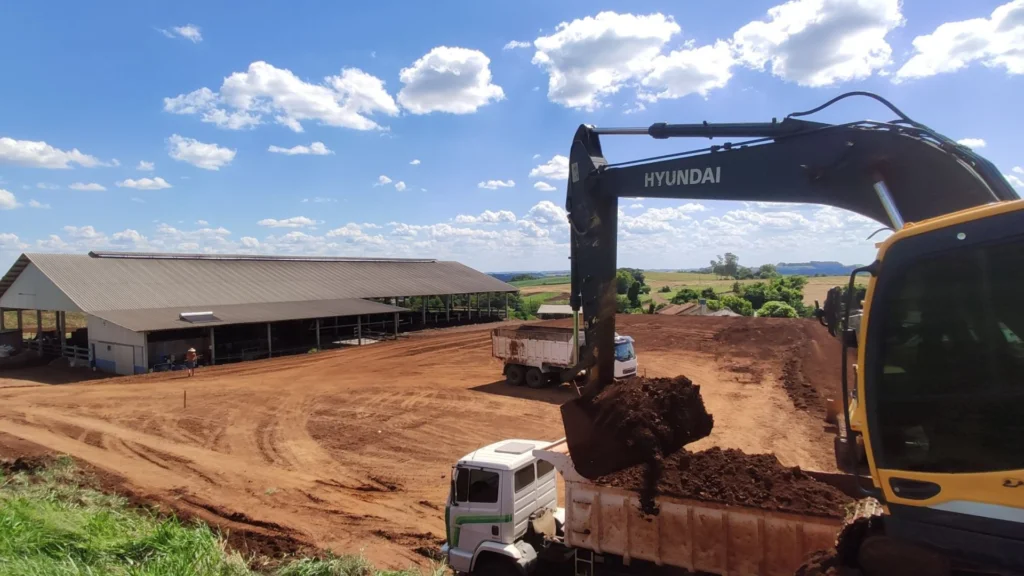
(541, 355)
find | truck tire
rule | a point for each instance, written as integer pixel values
(515, 374)
(535, 378)
(494, 566)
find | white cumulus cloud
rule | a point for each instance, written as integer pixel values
(382, 180)
(820, 42)
(448, 79)
(199, 154)
(400, 186)
(189, 32)
(38, 154)
(144, 184)
(495, 184)
(543, 186)
(293, 222)
(972, 142)
(7, 200)
(245, 98)
(415, 162)
(513, 44)
(145, 166)
(688, 71)
(555, 169)
(38, 204)
(487, 217)
(995, 42)
(87, 187)
(592, 57)
(315, 149)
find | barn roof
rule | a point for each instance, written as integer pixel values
(108, 282)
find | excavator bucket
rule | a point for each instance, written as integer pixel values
(595, 449)
(632, 422)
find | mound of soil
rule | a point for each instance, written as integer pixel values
(731, 477)
(635, 421)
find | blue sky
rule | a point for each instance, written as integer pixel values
(435, 129)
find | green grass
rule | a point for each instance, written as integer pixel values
(542, 281)
(540, 297)
(52, 523)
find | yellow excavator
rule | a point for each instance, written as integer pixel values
(934, 421)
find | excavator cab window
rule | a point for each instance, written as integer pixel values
(950, 394)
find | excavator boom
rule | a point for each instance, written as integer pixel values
(891, 172)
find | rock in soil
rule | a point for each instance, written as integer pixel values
(634, 421)
(731, 477)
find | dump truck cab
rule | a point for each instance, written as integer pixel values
(497, 495)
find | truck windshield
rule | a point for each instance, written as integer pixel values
(624, 352)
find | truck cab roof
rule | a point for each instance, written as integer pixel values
(503, 455)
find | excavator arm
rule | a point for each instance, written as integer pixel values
(891, 172)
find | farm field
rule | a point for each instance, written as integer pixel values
(350, 450)
(815, 289)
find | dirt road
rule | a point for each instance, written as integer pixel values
(350, 450)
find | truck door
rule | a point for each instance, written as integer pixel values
(475, 515)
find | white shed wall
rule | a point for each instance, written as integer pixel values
(34, 291)
(115, 348)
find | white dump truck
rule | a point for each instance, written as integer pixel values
(502, 518)
(539, 355)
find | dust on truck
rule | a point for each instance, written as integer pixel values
(502, 518)
(541, 355)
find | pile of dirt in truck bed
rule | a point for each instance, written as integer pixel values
(730, 477)
(641, 420)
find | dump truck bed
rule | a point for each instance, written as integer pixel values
(689, 534)
(534, 346)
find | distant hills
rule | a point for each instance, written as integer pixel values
(827, 268)
(813, 267)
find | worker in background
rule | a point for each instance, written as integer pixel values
(190, 361)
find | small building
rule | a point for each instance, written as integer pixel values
(144, 310)
(551, 311)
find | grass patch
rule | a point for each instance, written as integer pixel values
(542, 281)
(53, 523)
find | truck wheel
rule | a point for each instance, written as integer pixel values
(535, 378)
(496, 567)
(515, 374)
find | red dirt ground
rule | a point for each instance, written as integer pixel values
(350, 450)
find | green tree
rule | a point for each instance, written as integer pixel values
(645, 289)
(623, 280)
(727, 266)
(523, 277)
(665, 289)
(714, 305)
(650, 308)
(738, 305)
(622, 305)
(685, 295)
(737, 288)
(776, 309)
(634, 295)
(708, 293)
(636, 273)
(767, 271)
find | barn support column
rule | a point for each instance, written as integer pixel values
(425, 310)
(3, 320)
(62, 322)
(270, 346)
(213, 346)
(39, 330)
(396, 325)
(448, 309)
(359, 330)
(318, 334)
(506, 305)
(488, 305)
(469, 306)
(21, 329)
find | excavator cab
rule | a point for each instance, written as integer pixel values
(938, 403)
